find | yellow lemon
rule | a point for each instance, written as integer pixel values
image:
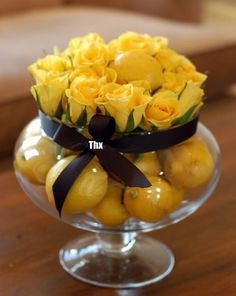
(130, 156)
(177, 197)
(87, 191)
(110, 211)
(35, 157)
(188, 164)
(148, 163)
(152, 203)
(138, 65)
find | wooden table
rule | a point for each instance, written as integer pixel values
(204, 244)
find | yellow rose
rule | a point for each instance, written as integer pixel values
(173, 62)
(50, 94)
(133, 41)
(187, 68)
(162, 110)
(50, 63)
(85, 71)
(190, 100)
(108, 75)
(174, 81)
(168, 59)
(84, 88)
(126, 103)
(162, 41)
(81, 99)
(91, 54)
(93, 37)
(76, 43)
(145, 84)
(198, 78)
(57, 51)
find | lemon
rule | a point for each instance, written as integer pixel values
(35, 157)
(130, 156)
(110, 211)
(177, 198)
(148, 163)
(152, 203)
(86, 192)
(189, 164)
(137, 65)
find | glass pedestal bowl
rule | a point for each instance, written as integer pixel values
(119, 257)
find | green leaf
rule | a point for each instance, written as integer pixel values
(154, 128)
(204, 97)
(36, 97)
(59, 110)
(184, 118)
(107, 113)
(130, 122)
(44, 52)
(139, 157)
(82, 120)
(66, 115)
(156, 90)
(71, 62)
(181, 92)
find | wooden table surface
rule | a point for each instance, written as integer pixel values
(204, 244)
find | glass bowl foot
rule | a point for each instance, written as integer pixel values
(146, 262)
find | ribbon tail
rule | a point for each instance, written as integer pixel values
(121, 167)
(65, 180)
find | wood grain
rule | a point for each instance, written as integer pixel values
(204, 244)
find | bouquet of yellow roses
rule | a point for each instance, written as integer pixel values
(124, 115)
(136, 79)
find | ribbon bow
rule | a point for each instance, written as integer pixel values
(107, 150)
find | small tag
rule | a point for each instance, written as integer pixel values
(95, 145)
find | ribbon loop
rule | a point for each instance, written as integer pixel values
(101, 127)
(69, 138)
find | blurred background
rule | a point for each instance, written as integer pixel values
(213, 12)
(204, 30)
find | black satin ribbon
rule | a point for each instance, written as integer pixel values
(102, 128)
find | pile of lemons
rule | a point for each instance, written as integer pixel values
(173, 172)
